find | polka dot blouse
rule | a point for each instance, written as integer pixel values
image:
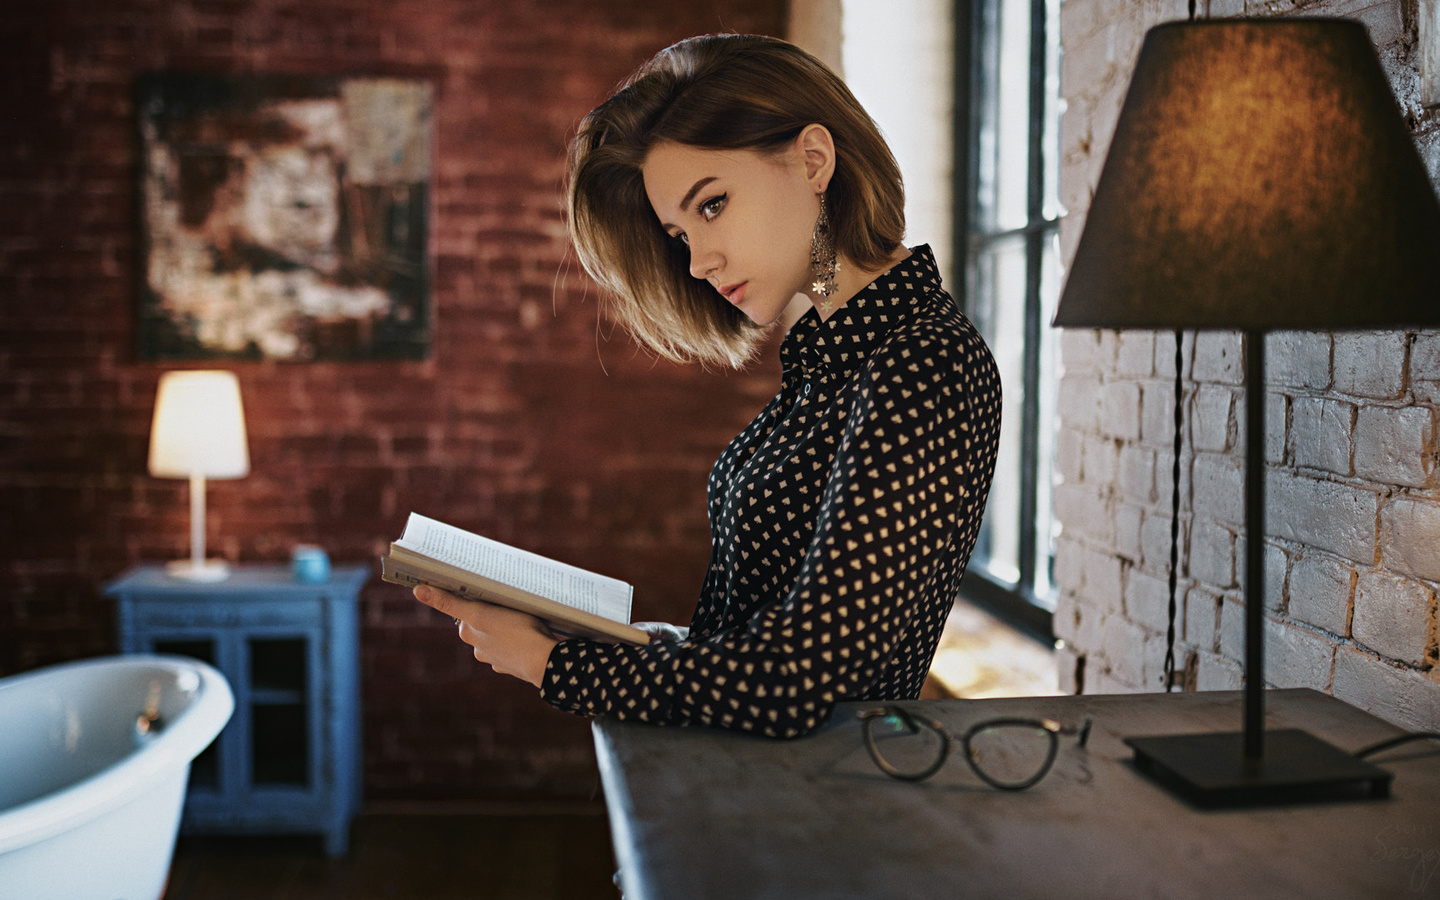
(841, 518)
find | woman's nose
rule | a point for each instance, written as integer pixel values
(703, 261)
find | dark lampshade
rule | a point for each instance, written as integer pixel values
(1260, 177)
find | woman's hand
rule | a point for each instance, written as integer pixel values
(664, 631)
(510, 642)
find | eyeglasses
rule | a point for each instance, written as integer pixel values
(1011, 754)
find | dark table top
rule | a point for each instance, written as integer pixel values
(700, 813)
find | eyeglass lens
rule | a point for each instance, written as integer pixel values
(1011, 755)
(905, 747)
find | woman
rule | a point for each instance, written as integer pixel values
(731, 174)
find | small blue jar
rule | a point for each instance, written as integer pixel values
(309, 564)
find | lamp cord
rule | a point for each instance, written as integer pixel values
(1175, 499)
(1395, 742)
(1175, 508)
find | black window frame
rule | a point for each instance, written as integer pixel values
(975, 70)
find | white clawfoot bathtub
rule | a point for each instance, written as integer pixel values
(89, 802)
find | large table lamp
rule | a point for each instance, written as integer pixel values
(1260, 177)
(198, 433)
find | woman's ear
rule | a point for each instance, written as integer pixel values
(817, 148)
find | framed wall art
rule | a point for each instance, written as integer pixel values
(283, 217)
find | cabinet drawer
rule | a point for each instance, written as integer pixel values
(170, 614)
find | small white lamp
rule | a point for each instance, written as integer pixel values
(198, 433)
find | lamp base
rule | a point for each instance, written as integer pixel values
(1210, 770)
(189, 570)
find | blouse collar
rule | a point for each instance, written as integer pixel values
(842, 342)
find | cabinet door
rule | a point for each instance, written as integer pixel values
(282, 676)
(206, 771)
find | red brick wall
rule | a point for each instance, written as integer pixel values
(530, 421)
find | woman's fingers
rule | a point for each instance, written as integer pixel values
(509, 641)
(444, 601)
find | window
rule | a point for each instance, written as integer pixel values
(1007, 149)
(967, 92)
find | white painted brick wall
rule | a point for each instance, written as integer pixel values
(1212, 418)
(1299, 359)
(1410, 537)
(1370, 364)
(1202, 618)
(1353, 536)
(1277, 568)
(1135, 354)
(1336, 517)
(1155, 543)
(1120, 409)
(1277, 420)
(1157, 413)
(1213, 554)
(1392, 616)
(1137, 474)
(1297, 657)
(1219, 358)
(1321, 592)
(1219, 488)
(1321, 433)
(1129, 531)
(1394, 445)
(1099, 459)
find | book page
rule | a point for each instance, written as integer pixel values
(573, 586)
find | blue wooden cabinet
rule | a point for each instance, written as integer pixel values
(289, 760)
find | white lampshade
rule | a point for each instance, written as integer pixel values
(198, 433)
(199, 427)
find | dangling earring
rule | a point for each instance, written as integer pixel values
(822, 257)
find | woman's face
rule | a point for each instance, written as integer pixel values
(746, 217)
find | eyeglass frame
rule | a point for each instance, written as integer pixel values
(1053, 729)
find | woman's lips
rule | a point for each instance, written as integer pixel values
(734, 292)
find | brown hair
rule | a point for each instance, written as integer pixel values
(716, 92)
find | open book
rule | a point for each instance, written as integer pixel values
(574, 601)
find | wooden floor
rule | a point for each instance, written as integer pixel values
(980, 658)
(487, 856)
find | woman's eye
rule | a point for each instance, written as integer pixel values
(712, 207)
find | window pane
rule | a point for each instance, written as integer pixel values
(1004, 105)
(1054, 107)
(1046, 528)
(998, 296)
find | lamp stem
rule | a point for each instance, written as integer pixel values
(197, 521)
(1254, 544)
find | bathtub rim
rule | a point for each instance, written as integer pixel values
(117, 784)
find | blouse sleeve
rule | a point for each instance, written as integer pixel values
(904, 497)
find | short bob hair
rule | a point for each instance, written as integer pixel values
(716, 92)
